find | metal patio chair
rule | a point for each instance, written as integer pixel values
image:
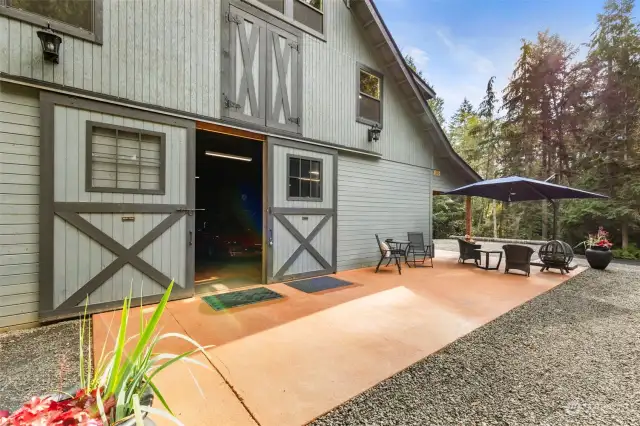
(517, 257)
(418, 248)
(391, 253)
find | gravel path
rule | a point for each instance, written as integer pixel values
(37, 361)
(569, 357)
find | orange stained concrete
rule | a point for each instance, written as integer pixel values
(293, 359)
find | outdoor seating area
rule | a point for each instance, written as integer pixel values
(516, 256)
(413, 251)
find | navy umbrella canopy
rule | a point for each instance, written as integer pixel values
(515, 188)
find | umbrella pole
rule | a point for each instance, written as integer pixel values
(555, 219)
(468, 215)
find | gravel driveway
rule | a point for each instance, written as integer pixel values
(38, 361)
(569, 357)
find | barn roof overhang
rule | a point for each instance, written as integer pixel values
(414, 90)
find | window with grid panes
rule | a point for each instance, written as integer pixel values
(305, 179)
(125, 160)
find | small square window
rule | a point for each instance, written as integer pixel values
(305, 179)
(122, 159)
(369, 102)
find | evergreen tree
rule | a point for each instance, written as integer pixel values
(613, 158)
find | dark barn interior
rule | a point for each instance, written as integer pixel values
(228, 238)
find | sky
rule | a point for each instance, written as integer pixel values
(460, 44)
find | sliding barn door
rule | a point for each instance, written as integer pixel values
(117, 193)
(302, 211)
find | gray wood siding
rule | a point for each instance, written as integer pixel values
(74, 251)
(381, 197)
(281, 179)
(447, 180)
(19, 174)
(329, 94)
(161, 52)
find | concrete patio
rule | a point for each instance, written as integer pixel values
(288, 361)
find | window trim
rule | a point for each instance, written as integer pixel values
(89, 161)
(369, 70)
(301, 157)
(288, 8)
(58, 26)
(312, 7)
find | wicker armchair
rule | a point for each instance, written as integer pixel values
(468, 251)
(517, 257)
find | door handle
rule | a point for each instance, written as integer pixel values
(190, 238)
(190, 212)
(270, 240)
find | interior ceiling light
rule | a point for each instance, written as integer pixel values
(229, 156)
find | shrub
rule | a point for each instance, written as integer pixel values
(631, 252)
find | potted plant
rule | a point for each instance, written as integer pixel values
(119, 391)
(598, 249)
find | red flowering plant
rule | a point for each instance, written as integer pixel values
(116, 390)
(598, 241)
(82, 409)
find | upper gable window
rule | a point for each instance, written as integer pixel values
(305, 14)
(369, 107)
(78, 18)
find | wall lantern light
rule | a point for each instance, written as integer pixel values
(50, 44)
(374, 133)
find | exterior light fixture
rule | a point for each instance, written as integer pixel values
(50, 44)
(374, 133)
(229, 156)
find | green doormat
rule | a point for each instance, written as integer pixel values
(224, 301)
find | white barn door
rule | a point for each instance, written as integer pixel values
(302, 221)
(117, 191)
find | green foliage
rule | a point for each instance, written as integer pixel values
(632, 252)
(448, 216)
(123, 375)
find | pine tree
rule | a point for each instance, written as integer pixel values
(613, 159)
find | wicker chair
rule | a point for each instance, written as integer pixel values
(517, 257)
(468, 251)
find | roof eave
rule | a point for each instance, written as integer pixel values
(427, 91)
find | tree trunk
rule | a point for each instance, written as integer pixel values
(495, 221)
(516, 227)
(625, 233)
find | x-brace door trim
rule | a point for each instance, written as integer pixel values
(124, 255)
(305, 243)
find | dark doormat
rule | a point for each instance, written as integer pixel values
(224, 301)
(313, 285)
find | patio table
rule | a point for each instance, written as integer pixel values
(400, 245)
(486, 266)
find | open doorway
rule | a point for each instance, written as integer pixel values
(229, 215)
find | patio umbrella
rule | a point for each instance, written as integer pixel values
(516, 188)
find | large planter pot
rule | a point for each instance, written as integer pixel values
(598, 258)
